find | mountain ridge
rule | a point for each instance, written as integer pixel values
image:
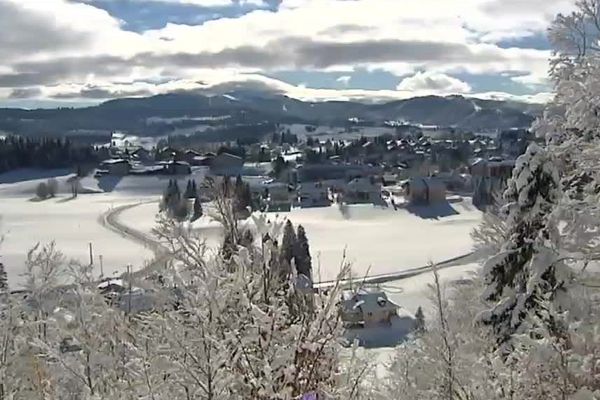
(255, 107)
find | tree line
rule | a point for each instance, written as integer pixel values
(19, 152)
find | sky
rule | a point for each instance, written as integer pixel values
(81, 52)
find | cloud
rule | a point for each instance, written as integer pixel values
(435, 83)
(24, 93)
(344, 80)
(57, 43)
(299, 53)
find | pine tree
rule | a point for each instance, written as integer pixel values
(240, 194)
(288, 242)
(302, 253)
(525, 271)
(197, 209)
(194, 189)
(189, 190)
(419, 321)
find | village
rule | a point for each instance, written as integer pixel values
(407, 169)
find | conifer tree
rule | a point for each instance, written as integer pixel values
(302, 253)
(189, 190)
(525, 272)
(288, 243)
(197, 209)
(419, 321)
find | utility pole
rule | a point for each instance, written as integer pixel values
(91, 254)
(101, 266)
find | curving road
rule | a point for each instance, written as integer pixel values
(110, 220)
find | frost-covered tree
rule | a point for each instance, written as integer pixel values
(3, 281)
(526, 271)
(570, 126)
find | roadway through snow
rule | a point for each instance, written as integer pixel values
(110, 220)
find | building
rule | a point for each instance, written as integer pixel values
(226, 164)
(117, 166)
(425, 191)
(190, 155)
(177, 168)
(489, 177)
(366, 307)
(313, 194)
(167, 154)
(322, 172)
(363, 190)
(141, 155)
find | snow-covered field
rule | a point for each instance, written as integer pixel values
(375, 240)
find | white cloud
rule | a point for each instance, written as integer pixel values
(51, 43)
(344, 79)
(434, 83)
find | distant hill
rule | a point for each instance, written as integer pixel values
(168, 113)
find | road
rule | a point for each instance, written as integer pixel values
(110, 220)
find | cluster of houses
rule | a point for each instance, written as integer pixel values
(168, 161)
(410, 169)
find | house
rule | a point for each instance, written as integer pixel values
(176, 168)
(321, 172)
(366, 307)
(190, 155)
(141, 154)
(273, 195)
(313, 194)
(167, 154)
(425, 191)
(119, 166)
(226, 164)
(363, 190)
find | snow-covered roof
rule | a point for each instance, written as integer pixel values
(367, 301)
(114, 161)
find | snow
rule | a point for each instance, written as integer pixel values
(72, 224)
(375, 240)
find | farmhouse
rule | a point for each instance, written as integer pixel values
(367, 307)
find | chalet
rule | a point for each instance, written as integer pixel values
(117, 166)
(226, 164)
(425, 191)
(366, 307)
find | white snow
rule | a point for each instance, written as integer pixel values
(72, 224)
(376, 240)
